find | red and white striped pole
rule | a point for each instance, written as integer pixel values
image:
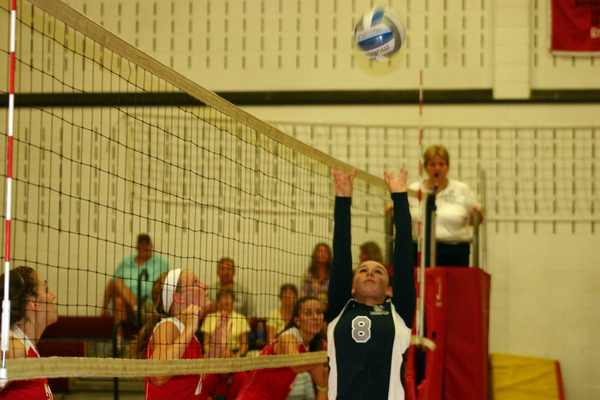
(9, 161)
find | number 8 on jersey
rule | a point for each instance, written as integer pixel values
(361, 329)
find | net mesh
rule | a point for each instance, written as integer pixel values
(533, 173)
(204, 181)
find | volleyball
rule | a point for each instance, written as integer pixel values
(379, 34)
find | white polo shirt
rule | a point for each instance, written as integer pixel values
(453, 214)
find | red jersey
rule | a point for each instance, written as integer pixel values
(33, 389)
(272, 383)
(226, 385)
(179, 386)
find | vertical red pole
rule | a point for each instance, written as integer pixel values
(9, 172)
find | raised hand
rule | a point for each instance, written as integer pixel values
(396, 186)
(223, 329)
(343, 182)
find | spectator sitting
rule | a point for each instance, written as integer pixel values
(123, 288)
(316, 278)
(226, 272)
(238, 342)
(279, 318)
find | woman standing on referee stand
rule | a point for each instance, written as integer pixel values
(179, 298)
(372, 320)
(304, 328)
(32, 309)
(455, 208)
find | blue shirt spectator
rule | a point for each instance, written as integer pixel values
(128, 271)
(123, 291)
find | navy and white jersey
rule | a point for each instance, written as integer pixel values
(366, 343)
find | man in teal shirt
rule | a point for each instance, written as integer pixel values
(123, 288)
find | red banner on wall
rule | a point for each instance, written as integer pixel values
(576, 26)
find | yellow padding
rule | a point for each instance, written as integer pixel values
(524, 378)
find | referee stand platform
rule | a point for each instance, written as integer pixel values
(457, 322)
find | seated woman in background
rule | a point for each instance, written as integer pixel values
(170, 334)
(316, 278)
(455, 203)
(275, 383)
(32, 309)
(279, 318)
(238, 341)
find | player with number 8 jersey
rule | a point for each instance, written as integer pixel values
(371, 318)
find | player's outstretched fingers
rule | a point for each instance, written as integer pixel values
(343, 182)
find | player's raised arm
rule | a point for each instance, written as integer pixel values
(404, 292)
(340, 281)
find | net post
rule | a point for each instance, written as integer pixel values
(429, 232)
(5, 331)
(422, 265)
(11, 109)
(476, 219)
(140, 301)
(3, 377)
(432, 240)
(482, 231)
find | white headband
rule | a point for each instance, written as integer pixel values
(169, 288)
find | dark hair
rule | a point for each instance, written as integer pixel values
(224, 260)
(373, 251)
(288, 286)
(296, 312)
(313, 260)
(315, 343)
(155, 317)
(143, 238)
(23, 288)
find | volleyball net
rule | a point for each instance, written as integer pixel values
(110, 144)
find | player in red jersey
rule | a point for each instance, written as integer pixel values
(275, 383)
(32, 309)
(179, 298)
